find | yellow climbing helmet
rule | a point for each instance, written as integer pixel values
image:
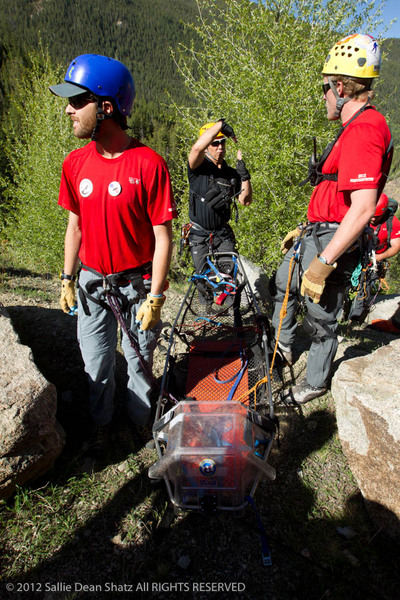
(357, 55)
(208, 126)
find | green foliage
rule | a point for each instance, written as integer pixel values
(259, 65)
(388, 96)
(256, 63)
(154, 125)
(37, 137)
(136, 32)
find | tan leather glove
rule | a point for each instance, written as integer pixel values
(68, 299)
(314, 279)
(288, 240)
(150, 312)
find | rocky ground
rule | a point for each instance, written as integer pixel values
(131, 536)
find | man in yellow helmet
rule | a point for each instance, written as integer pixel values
(348, 178)
(213, 186)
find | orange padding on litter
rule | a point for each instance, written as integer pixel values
(206, 360)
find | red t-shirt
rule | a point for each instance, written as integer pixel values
(118, 201)
(382, 234)
(357, 158)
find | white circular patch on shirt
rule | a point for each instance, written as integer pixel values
(114, 189)
(85, 188)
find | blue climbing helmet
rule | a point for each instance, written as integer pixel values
(101, 75)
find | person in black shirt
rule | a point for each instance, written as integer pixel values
(213, 186)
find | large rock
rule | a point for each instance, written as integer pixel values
(30, 437)
(367, 396)
(384, 307)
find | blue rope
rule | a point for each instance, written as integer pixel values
(266, 553)
(237, 376)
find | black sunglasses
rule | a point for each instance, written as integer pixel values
(216, 143)
(326, 87)
(81, 100)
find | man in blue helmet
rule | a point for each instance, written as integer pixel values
(119, 197)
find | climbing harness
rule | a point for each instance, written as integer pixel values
(111, 298)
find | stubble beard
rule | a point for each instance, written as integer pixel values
(84, 128)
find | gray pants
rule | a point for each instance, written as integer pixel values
(97, 335)
(321, 319)
(201, 241)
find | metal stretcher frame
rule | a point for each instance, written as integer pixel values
(239, 321)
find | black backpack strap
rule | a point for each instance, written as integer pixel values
(315, 174)
(389, 227)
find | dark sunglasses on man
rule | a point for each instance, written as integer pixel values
(216, 143)
(326, 87)
(81, 100)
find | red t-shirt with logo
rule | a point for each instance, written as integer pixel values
(382, 234)
(118, 201)
(357, 158)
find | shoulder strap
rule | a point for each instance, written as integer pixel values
(315, 175)
(389, 227)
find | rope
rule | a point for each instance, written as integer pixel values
(282, 315)
(283, 311)
(237, 377)
(253, 390)
(116, 309)
(384, 284)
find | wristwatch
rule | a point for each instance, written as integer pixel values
(323, 260)
(65, 276)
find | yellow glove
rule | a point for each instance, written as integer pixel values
(314, 278)
(288, 240)
(150, 312)
(67, 300)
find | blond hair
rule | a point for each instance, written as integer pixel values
(354, 87)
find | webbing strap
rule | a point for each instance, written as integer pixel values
(266, 553)
(315, 173)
